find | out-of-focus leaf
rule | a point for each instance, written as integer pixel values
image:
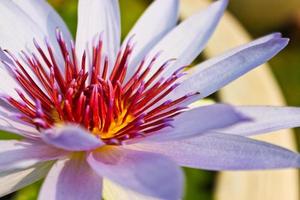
(286, 67)
(68, 10)
(8, 136)
(130, 12)
(199, 184)
(29, 193)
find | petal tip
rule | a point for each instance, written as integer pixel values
(276, 35)
(281, 42)
(222, 3)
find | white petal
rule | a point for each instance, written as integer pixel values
(13, 181)
(15, 155)
(96, 17)
(21, 22)
(8, 84)
(17, 29)
(45, 17)
(9, 123)
(160, 17)
(17, 33)
(24, 20)
(188, 39)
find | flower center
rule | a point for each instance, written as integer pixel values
(92, 93)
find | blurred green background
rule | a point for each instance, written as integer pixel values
(282, 15)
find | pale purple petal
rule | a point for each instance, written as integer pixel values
(71, 179)
(224, 152)
(264, 119)
(235, 50)
(198, 121)
(147, 173)
(16, 154)
(159, 18)
(210, 78)
(15, 126)
(96, 17)
(15, 180)
(188, 39)
(71, 138)
(3, 56)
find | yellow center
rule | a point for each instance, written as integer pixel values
(115, 126)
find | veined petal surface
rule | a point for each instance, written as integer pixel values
(198, 121)
(224, 152)
(209, 78)
(96, 17)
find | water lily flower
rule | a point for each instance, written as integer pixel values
(95, 110)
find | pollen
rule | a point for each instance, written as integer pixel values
(116, 125)
(93, 92)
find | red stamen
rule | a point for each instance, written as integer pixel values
(99, 98)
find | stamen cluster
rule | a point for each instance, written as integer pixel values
(93, 94)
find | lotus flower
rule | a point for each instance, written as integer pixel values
(96, 116)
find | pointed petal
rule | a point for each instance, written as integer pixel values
(17, 33)
(198, 121)
(225, 152)
(160, 17)
(139, 171)
(15, 126)
(45, 17)
(17, 155)
(235, 50)
(188, 39)
(207, 79)
(9, 83)
(96, 17)
(264, 119)
(71, 138)
(24, 20)
(112, 190)
(71, 179)
(16, 180)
